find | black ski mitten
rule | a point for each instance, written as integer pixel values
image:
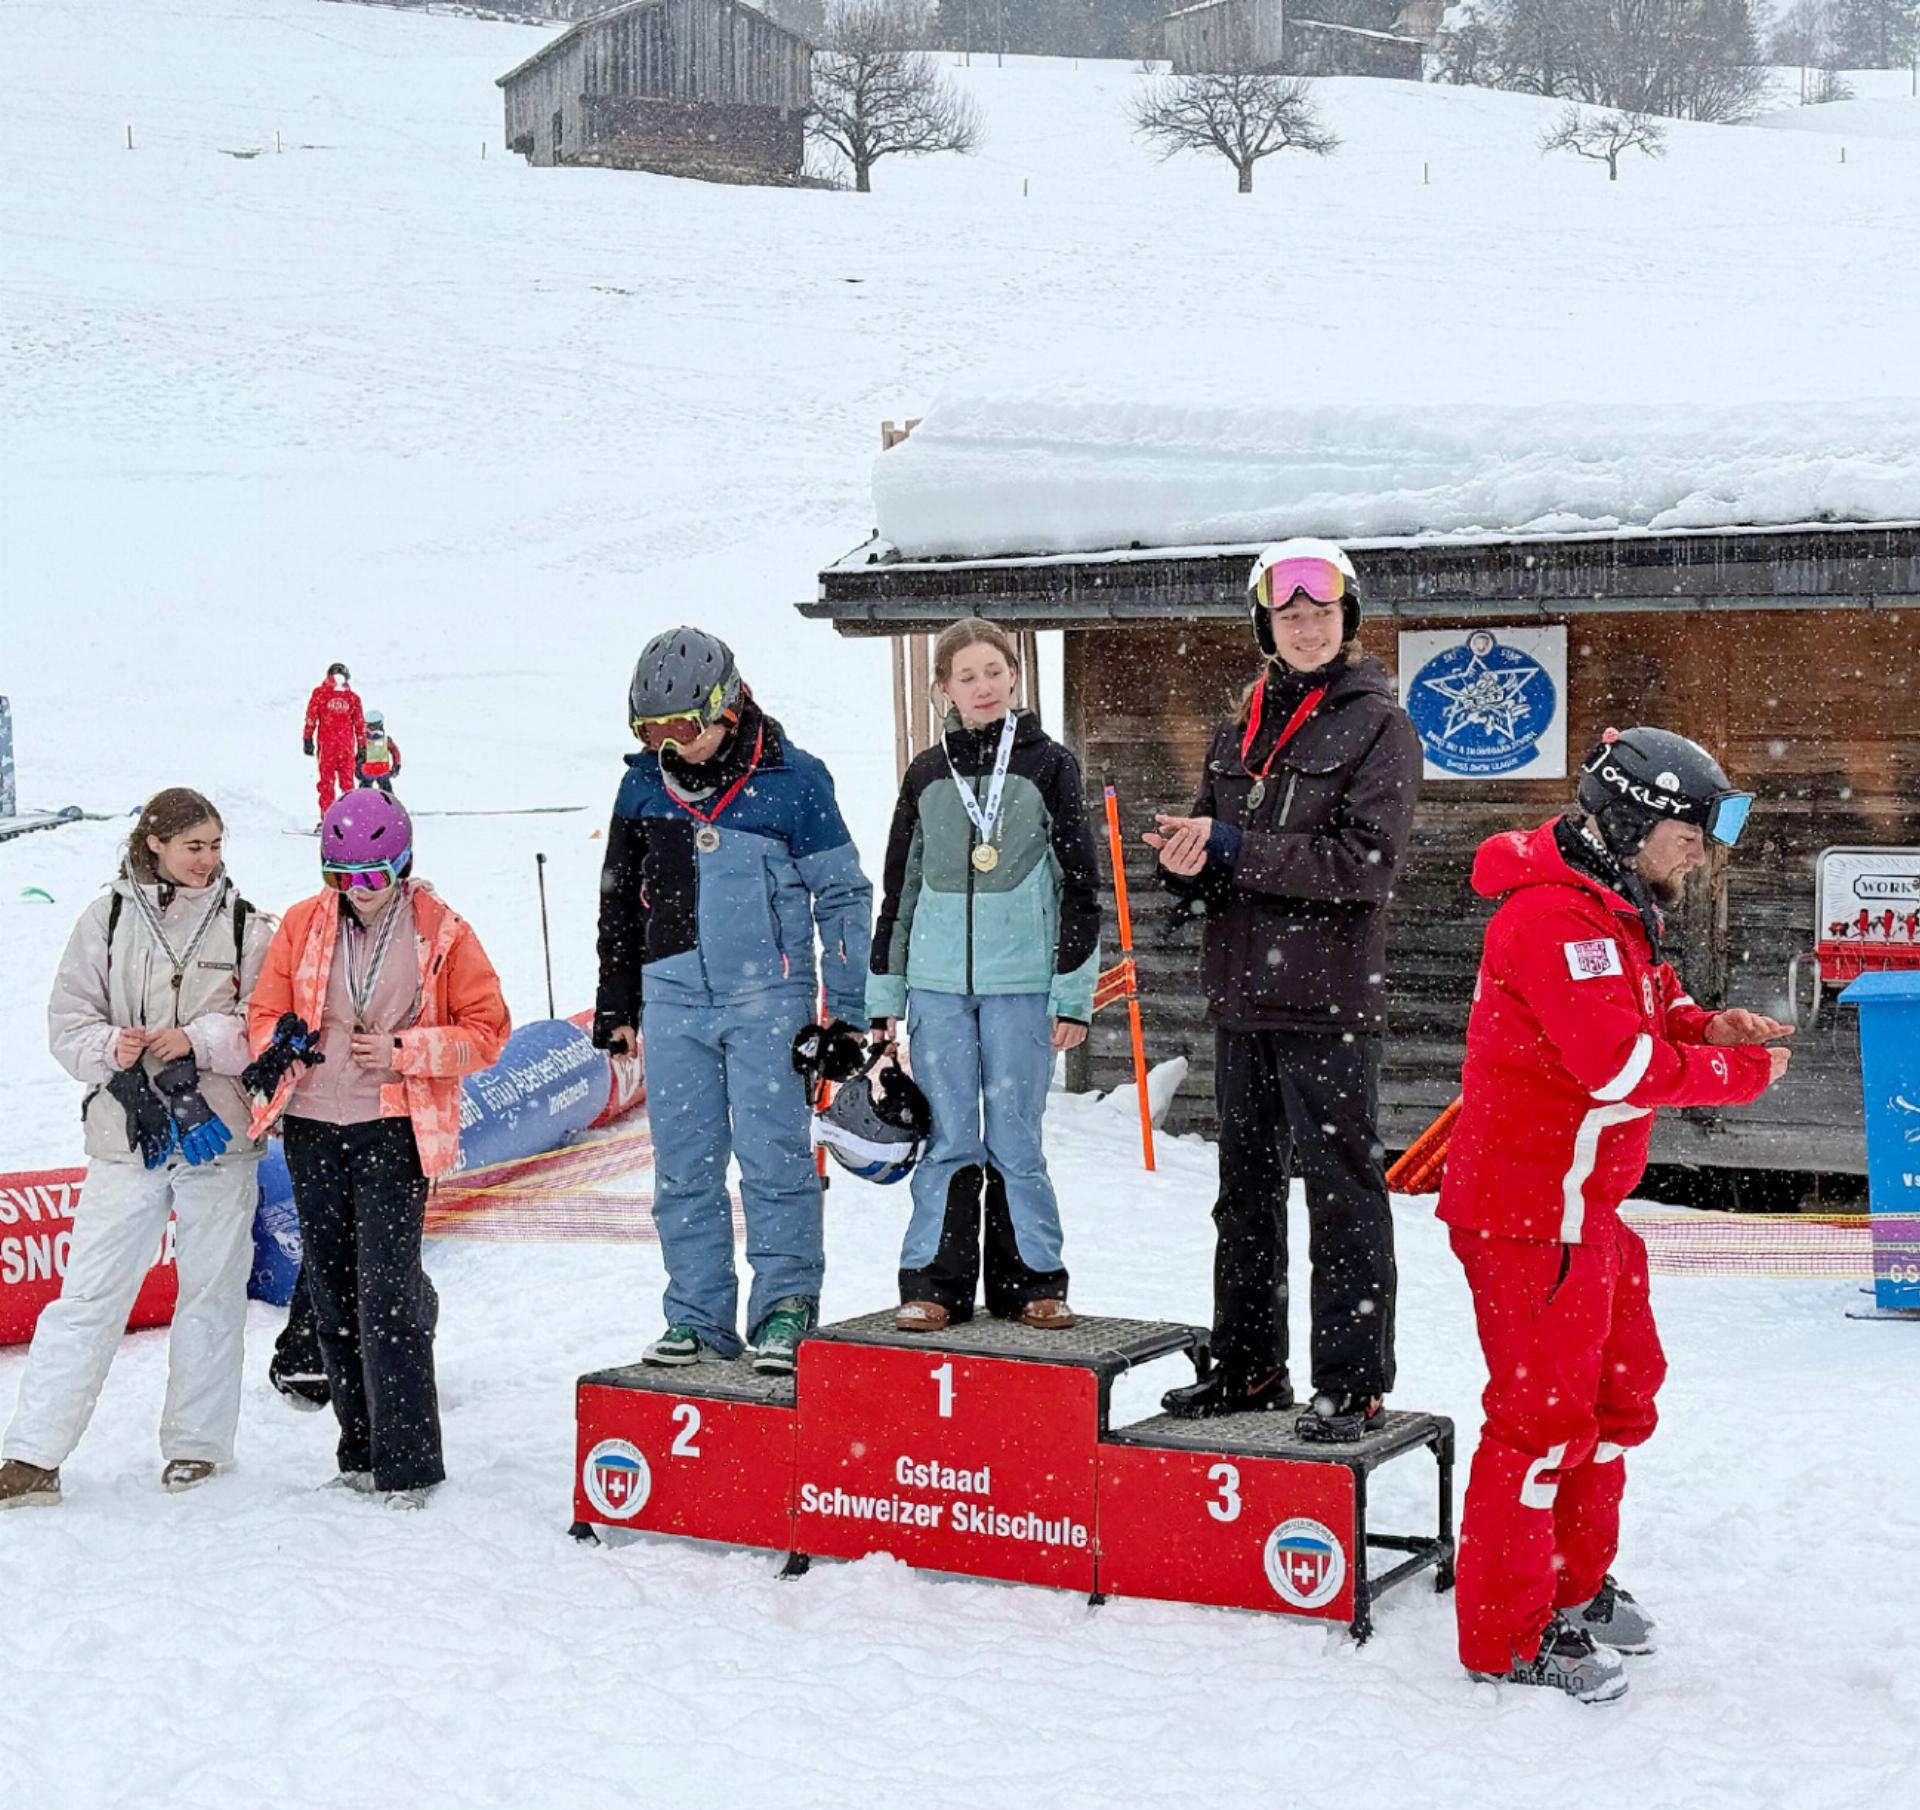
(150, 1127)
(203, 1133)
(833, 1052)
(292, 1042)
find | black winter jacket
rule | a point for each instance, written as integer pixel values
(1295, 891)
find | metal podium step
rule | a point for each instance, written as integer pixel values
(729, 1379)
(1273, 1436)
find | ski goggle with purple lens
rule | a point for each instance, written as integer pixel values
(375, 877)
(1322, 580)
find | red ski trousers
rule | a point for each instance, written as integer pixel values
(336, 773)
(1573, 1365)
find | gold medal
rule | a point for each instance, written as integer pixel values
(986, 857)
(706, 839)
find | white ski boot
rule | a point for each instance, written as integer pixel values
(1615, 1620)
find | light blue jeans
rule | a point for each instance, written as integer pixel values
(720, 1084)
(991, 1051)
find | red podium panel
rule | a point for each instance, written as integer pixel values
(972, 1451)
(1245, 1533)
(1241, 1512)
(703, 1450)
(969, 1464)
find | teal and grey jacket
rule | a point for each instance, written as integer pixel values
(1032, 924)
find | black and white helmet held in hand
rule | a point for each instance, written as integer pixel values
(877, 1126)
(1638, 778)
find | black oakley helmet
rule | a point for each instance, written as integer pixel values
(1638, 778)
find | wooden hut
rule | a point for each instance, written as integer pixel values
(1296, 37)
(687, 87)
(1791, 653)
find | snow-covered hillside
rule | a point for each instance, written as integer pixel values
(479, 430)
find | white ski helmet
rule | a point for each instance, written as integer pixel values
(1321, 568)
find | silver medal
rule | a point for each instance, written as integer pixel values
(1258, 792)
(706, 839)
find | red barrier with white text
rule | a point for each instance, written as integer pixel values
(36, 1232)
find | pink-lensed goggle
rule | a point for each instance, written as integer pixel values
(359, 879)
(1321, 579)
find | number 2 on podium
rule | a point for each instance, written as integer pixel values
(944, 1378)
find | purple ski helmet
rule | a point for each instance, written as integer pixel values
(366, 841)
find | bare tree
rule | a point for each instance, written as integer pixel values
(1605, 137)
(878, 92)
(1243, 114)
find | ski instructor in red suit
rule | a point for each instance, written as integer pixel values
(1580, 1031)
(337, 727)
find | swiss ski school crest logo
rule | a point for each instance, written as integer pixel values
(617, 1479)
(1306, 1565)
(1482, 706)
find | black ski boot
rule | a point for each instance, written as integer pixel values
(303, 1384)
(1341, 1419)
(1223, 1392)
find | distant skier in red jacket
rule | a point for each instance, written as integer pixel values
(1579, 1032)
(337, 725)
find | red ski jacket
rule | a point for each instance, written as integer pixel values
(335, 719)
(1576, 1036)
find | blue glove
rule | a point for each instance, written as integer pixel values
(292, 1042)
(202, 1133)
(150, 1127)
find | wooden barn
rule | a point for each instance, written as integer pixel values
(1791, 653)
(686, 87)
(1300, 37)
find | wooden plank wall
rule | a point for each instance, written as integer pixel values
(698, 50)
(1819, 713)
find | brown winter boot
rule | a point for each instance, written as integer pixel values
(185, 1473)
(24, 1485)
(922, 1316)
(1049, 1316)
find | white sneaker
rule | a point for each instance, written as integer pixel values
(408, 1499)
(360, 1482)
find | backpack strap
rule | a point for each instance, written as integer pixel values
(113, 924)
(242, 910)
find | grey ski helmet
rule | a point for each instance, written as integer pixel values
(1638, 778)
(683, 673)
(340, 667)
(876, 1129)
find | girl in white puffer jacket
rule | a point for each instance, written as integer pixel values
(149, 1010)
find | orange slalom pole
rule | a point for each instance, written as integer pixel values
(1133, 979)
(1418, 1170)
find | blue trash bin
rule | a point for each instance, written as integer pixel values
(1889, 1006)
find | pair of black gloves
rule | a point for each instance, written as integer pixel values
(306, 748)
(834, 1052)
(167, 1112)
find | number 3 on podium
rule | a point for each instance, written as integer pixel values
(1227, 1477)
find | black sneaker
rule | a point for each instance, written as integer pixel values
(1341, 1419)
(1568, 1661)
(1224, 1393)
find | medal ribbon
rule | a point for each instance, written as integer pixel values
(178, 963)
(360, 986)
(985, 821)
(732, 792)
(1308, 705)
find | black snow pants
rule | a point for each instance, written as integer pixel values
(362, 1201)
(954, 1274)
(1305, 1101)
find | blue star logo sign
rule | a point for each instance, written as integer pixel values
(1481, 706)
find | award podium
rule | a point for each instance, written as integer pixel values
(987, 1450)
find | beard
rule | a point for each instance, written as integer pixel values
(1670, 892)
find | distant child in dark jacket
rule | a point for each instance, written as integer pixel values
(988, 941)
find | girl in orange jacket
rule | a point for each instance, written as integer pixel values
(375, 1000)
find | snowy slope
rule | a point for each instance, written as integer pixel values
(479, 430)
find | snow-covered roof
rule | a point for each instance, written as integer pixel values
(1027, 472)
